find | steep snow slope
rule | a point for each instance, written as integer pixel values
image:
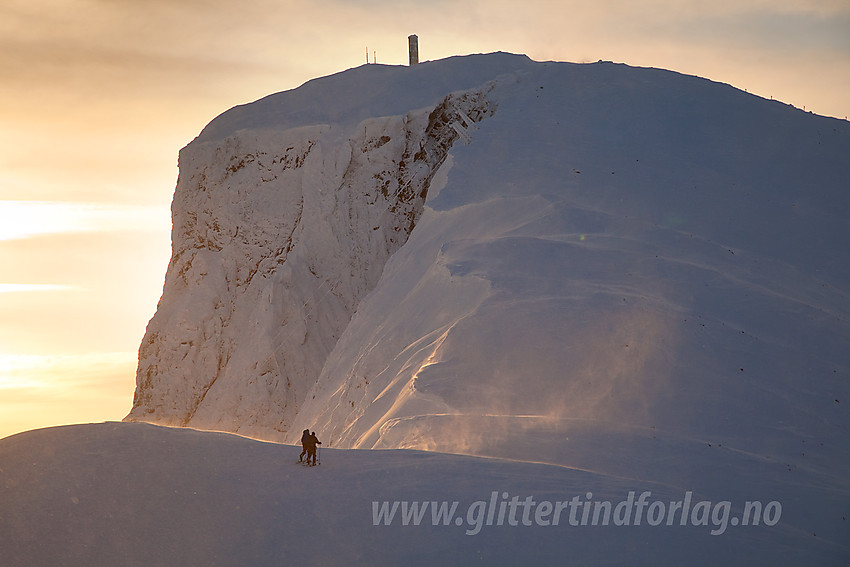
(618, 251)
(135, 494)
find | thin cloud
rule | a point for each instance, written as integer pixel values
(26, 287)
(26, 219)
(70, 371)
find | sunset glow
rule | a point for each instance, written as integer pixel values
(26, 219)
(97, 99)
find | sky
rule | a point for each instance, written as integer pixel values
(98, 96)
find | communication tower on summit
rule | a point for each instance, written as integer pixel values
(413, 47)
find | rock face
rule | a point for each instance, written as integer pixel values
(277, 237)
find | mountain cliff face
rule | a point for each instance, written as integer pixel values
(489, 255)
(277, 237)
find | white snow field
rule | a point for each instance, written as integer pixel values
(137, 494)
(535, 279)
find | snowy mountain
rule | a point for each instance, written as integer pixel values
(408, 257)
(634, 278)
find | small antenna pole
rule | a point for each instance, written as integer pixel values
(413, 48)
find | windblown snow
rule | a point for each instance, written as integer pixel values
(624, 271)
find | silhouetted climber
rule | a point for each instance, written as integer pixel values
(312, 441)
(305, 437)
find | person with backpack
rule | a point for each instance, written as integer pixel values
(305, 437)
(312, 442)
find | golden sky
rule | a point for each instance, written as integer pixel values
(98, 96)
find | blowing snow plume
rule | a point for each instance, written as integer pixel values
(578, 264)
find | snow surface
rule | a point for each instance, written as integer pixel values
(601, 278)
(137, 494)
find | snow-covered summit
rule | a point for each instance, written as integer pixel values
(593, 265)
(349, 97)
(593, 242)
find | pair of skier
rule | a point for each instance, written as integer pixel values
(309, 443)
